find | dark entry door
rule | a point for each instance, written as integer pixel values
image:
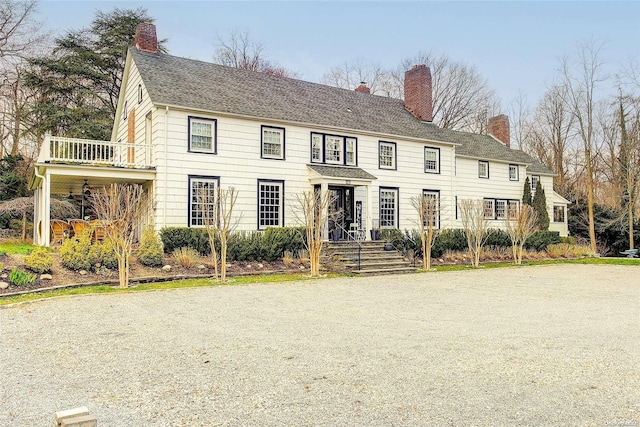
(340, 211)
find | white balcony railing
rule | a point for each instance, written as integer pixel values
(97, 153)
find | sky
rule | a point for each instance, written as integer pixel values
(516, 46)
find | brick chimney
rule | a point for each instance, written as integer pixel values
(363, 88)
(146, 39)
(418, 98)
(498, 126)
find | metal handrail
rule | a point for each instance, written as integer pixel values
(354, 240)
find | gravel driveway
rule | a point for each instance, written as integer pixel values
(546, 345)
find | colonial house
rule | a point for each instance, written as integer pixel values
(184, 126)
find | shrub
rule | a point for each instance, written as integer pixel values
(287, 258)
(74, 253)
(185, 256)
(22, 278)
(541, 239)
(245, 246)
(275, 241)
(179, 237)
(498, 238)
(1, 266)
(449, 240)
(150, 252)
(103, 255)
(569, 240)
(39, 260)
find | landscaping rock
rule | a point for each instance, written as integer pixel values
(260, 265)
(4, 276)
(166, 268)
(201, 267)
(83, 272)
(46, 277)
(4, 285)
(248, 267)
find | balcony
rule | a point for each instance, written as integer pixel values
(95, 153)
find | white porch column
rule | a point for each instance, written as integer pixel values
(324, 189)
(36, 215)
(46, 208)
(367, 211)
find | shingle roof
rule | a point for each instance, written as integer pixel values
(189, 83)
(345, 172)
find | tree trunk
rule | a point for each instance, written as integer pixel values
(631, 242)
(592, 227)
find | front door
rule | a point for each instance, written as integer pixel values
(340, 213)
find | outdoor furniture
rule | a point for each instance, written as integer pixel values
(630, 253)
(60, 230)
(98, 230)
(78, 225)
(356, 232)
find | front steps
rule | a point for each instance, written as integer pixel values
(374, 260)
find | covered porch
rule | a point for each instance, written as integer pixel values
(71, 169)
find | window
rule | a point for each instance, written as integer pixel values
(140, 93)
(431, 160)
(125, 112)
(512, 208)
(483, 169)
(534, 182)
(316, 148)
(501, 209)
(388, 207)
(351, 151)
(514, 172)
(202, 135)
(433, 209)
(489, 209)
(333, 149)
(270, 204)
(272, 143)
(387, 155)
(558, 214)
(202, 199)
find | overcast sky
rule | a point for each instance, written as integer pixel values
(515, 45)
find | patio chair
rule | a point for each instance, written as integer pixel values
(78, 225)
(60, 230)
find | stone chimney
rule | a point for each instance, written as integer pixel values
(146, 39)
(363, 88)
(418, 98)
(498, 126)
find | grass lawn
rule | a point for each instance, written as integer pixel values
(15, 247)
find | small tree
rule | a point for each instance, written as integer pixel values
(313, 205)
(526, 193)
(121, 208)
(540, 206)
(428, 208)
(521, 223)
(227, 201)
(208, 200)
(476, 227)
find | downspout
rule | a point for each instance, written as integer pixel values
(166, 175)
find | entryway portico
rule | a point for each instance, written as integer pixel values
(350, 190)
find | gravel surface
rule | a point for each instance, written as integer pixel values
(546, 345)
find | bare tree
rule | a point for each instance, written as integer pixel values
(428, 209)
(228, 223)
(351, 74)
(207, 197)
(521, 223)
(313, 212)
(476, 227)
(239, 51)
(582, 76)
(122, 209)
(18, 28)
(462, 98)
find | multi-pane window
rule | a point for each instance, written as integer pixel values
(387, 155)
(501, 209)
(350, 151)
(534, 182)
(388, 207)
(489, 209)
(202, 135)
(514, 173)
(316, 148)
(270, 204)
(432, 208)
(202, 200)
(431, 160)
(483, 169)
(333, 149)
(558, 214)
(512, 208)
(272, 143)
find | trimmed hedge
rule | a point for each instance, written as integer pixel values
(541, 239)
(268, 245)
